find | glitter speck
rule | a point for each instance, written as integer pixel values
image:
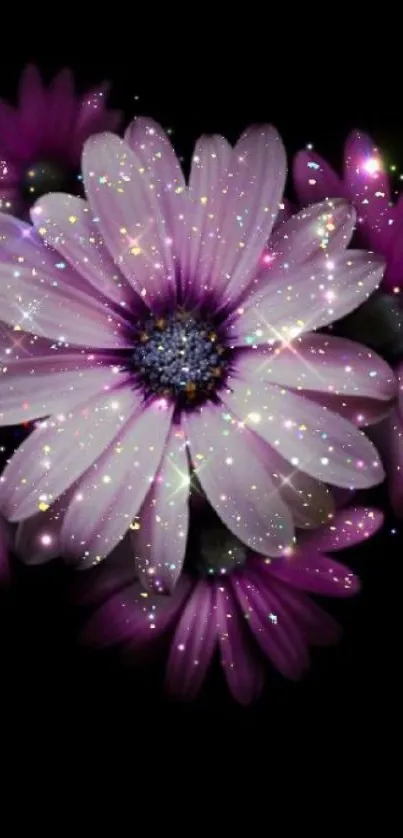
(373, 165)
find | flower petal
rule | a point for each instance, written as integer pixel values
(309, 501)
(254, 189)
(96, 584)
(205, 206)
(309, 571)
(360, 411)
(60, 450)
(39, 294)
(37, 539)
(367, 184)
(132, 618)
(272, 626)
(61, 107)
(154, 149)
(32, 103)
(16, 346)
(120, 192)
(319, 629)
(235, 482)
(328, 226)
(193, 643)
(14, 143)
(306, 298)
(92, 117)
(160, 543)
(242, 666)
(35, 387)
(312, 439)
(324, 364)
(348, 527)
(66, 223)
(112, 491)
(393, 276)
(314, 179)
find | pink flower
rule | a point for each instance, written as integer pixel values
(163, 346)
(259, 610)
(41, 141)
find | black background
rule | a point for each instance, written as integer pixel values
(315, 91)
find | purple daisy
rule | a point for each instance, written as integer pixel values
(367, 185)
(245, 607)
(42, 139)
(168, 343)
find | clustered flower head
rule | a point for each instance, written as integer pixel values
(193, 412)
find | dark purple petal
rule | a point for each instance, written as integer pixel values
(133, 618)
(273, 627)
(348, 527)
(311, 572)
(314, 179)
(193, 643)
(242, 665)
(318, 627)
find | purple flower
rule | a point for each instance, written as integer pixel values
(259, 610)
(366, 184)
(380, 227)
(166, 342)
(41, 141)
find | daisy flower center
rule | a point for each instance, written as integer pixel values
(46, 176)
(179, 356)
(219, 552)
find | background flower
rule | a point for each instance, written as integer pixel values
(42, 139)
(245, 607)
(162, 328)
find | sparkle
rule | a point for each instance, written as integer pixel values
(255, 418)
(373, 165)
